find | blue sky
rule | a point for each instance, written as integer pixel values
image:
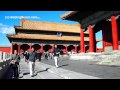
(7, 22)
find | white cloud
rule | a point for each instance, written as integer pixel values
(5, 29)
(1, 24)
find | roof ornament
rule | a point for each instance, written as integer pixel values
(67, 14)
(22, 21)
(93, 26)
(85, 29)
(117, 17)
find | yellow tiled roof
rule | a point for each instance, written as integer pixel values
(48, 26)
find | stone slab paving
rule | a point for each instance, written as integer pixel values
(8, 74)
(25, 71)
(46, 75)
(41, 73)
(88, 68)
(67, 74)
(83, 68)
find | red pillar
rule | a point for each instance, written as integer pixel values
(41, 48)
(11, 48)
(19, 48)
(66, 49)
(30, 46)
(82, 45)
(114, 32)
(91, 39)
(76, 48)
(52, 47)
(103, 39)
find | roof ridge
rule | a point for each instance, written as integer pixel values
(67, 13)
(51, 22)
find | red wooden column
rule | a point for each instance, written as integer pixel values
(91, 39)
(103, 39)
(19, 48)
(114, 32)
(11, 48)
(30, 46)
(66, 49)
(41, 48)
(82, 45)
(52, 47)
(76, 48)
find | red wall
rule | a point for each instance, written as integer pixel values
(5, 49)
(99, 50)
(107, 35)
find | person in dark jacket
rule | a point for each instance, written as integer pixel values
(26, 54)
(32, 58)
(56, 53)
(46, 55)
(38, 55)
(15, 59)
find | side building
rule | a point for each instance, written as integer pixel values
(94, 21)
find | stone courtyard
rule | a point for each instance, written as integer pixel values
(73, 66)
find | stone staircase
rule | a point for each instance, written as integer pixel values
(86, 56)
(106, 58)
(111, 58)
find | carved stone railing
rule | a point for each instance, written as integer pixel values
(4, 63)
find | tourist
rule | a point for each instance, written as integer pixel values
(61, 54)
(22, 59)
(15, 59)
(26, 54)
(56, 52)
(46, 55)
(38, 55)
(21, 54)
(32, 58)
(51, 55)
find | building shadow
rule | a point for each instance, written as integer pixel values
(8, 74)
(114, 66)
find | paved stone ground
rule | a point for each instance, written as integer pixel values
(8, 74)
(88, 68)
(66, 74)
(41, 73)
(81, 67)
(45, 71)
